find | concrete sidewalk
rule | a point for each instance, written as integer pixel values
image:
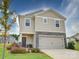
(62, 53)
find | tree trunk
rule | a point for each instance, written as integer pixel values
(4, 46)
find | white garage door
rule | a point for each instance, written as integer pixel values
(46, 42)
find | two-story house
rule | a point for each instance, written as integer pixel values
(44, 29)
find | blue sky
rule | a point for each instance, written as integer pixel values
(69, 8)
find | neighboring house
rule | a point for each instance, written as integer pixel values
(44, 29)
(9, 39)
(1, 39)
(74, 37)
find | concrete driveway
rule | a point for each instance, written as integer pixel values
(62, 53)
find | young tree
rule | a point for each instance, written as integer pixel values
(15, 36)
(4, 22)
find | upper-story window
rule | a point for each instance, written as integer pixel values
(57, 23)
(28, 22)
(45, 20)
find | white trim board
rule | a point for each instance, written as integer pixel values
(49, 17)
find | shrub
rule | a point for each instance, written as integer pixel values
(12, 45)
(71, 45)
(8, 47)
(15, 45)
(29, 46)
(77, 46)
(35, 50)
(16, 50)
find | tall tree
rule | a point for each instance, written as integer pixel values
(4, 21)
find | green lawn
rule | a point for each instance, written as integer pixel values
(77, 46)
(24, 56)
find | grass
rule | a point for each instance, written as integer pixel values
(76, 46)
(24, 56)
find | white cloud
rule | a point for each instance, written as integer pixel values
(69, 32)
(30, 11)
(24, 12)
(75, 26)
(71, 8)
(15, 28)
(71, 11)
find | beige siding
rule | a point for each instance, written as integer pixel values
(50, 26)
(38, 25)
(50, 13)
(23, 28)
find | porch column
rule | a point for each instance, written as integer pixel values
(20, 38)
(34, 41)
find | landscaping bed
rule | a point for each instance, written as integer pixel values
(9, 55)
(14, 48)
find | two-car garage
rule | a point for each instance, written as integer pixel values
(51, 42)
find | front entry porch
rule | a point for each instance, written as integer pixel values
(27, 39)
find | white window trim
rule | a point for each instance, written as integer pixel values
(55, 23)
(46, 20)
(30, 22)
(51, 18)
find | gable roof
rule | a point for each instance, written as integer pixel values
(42, 11)
(31, 12)
(74, 36)
(77, 34)
(54, 11)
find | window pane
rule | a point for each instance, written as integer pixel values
(27, 22)
(45, 20)
(57, 23)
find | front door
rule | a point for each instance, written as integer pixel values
(23, 41)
